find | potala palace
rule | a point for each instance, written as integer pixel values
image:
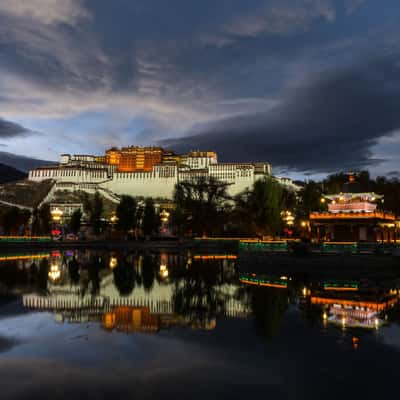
(146, 171)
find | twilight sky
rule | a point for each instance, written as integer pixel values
(312, 86)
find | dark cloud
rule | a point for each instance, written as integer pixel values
(10, 129)
(7, 344)
(328, 123)
(393, 174)
(163, 66)
(21, 163)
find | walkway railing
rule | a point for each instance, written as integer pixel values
(25, 239)
(319, 248)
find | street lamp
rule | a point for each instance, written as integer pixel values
(56, 214)
(288, 217)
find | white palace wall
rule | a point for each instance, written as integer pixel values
(160, 182)
(76, 175)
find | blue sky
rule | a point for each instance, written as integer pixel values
(312, 86)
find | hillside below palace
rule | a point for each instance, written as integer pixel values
(147, 171)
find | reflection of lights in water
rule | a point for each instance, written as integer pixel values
(164, 216)
(376, 323)
(343, 321)
(54, 272)
(163, 271)
(325, 316)
(355, 342)
(113, 262)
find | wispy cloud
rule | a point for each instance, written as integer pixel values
(45, 11)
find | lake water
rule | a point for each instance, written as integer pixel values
(83, 324)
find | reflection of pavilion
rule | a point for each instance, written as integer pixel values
(350, 308)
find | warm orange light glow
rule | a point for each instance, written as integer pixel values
(274, 285)
(354, 303)
(343, 289)
(215, 257)
(3, 237)
(352, 215)
(164, 271)
(54, 273)
(135, 158)
(340, 243)
(113, 262)
(24, 257)
(56, 214)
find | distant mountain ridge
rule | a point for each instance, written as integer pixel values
(22, 163)
(10, 174)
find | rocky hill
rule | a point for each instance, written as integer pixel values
(22, 163)
(10, 174)
(24, 193)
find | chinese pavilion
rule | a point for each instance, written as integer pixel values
(353, 216)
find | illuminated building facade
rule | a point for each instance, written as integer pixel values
(135, 158)
(145, 171)
(353, 216)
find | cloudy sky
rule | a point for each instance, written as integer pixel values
(312, 86)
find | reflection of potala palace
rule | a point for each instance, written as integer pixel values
(146, 171)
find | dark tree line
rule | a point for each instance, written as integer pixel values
(132, 217)
(203, 207)
(310, 195)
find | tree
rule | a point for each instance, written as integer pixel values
(75, 221)
(44, 216)
(151, 220)
(95, 265)
(14, 220)
(178, 220)
(94, 209)
(148, 272)
(126, 214)
(201, 205)
(259, 209)
(268, 306)
(42, 276)
(197, 295)
(124, 277)
(74, 271)
(310, 199)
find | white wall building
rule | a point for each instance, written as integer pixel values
(78, 172)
